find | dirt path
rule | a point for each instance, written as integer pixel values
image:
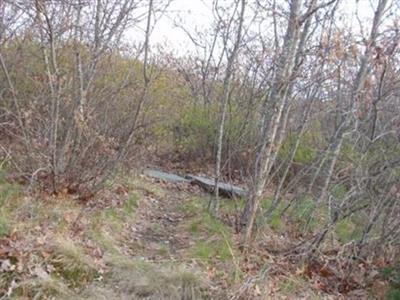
(158, 227)
(158, 240)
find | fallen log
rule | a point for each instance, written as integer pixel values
(166, 176)
(208, 184)
(225, 189)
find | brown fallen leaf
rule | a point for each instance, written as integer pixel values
(68, 217)
(41, 240)
(45, 254)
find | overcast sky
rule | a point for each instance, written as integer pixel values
(196, 14)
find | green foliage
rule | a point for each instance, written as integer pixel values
(212, 235)
(233, 205)
(349, 152)
(194, 227)
(4, 228)
(163, 250)
(206, 223)
(307, 215)
(303, 209)
(392, 275)
(213, 225)
(339, 191)
(8, 191)
(131, 204)
(307, 149)
(115, 217)
(194, 131)
(275, 221)
(146, 187)
(266, 203)
(209, 250)
(393, 294)
(112, 214)
(194, 206)
(304, 154)
(345, 230)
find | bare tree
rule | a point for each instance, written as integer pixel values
(226, 92)
(72, 150)
(273, 114)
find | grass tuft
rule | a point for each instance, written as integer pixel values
(72, 264)
(141, 279)
(8, 192)
(44, 288)
(131, 204)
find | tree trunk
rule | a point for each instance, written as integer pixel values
(271, 120)
(214, 203)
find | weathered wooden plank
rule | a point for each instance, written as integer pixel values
(166, 176)
(225, 189)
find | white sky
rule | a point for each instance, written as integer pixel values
(197, 14)
(193, 13)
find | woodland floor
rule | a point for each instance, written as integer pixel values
(142, 239)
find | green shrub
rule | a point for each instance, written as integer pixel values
(7, 192)
(275, 220)
(349, 152)
(345, 230)
(393, 294)
(4, 228)
(307, 149)
(303, 209)
(339, 191)
(194, 132)
(307, 215)
(392, 275)
(304, 154)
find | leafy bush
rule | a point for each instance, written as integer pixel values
(195, 132)
(303, 208)
(392, 274)
(275, 220)
(339, 191)
(3, 227)
(76, 119)
(306, 151)
(345, 230)
(7, 192)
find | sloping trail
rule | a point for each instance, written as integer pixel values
(157, 237)
(172, 226)
(159, 222)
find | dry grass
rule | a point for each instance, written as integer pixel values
(144, 241)
(58, 253)
(141, 279)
